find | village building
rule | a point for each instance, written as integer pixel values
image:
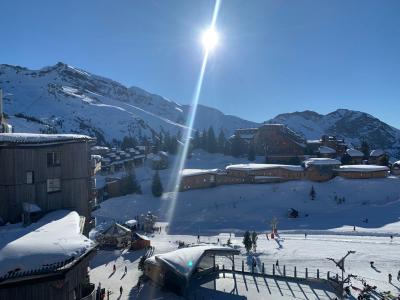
(46, 260)
(263, 173)
(362, 171)
(378, 157)
(131, 224)
(356, 156)
(51, 171)
(115, 236)
(198, 178)
(159, 160)
(327, 152)
(178, 269)
(320, 169)
(396, 168)
(147, 222)
(139, 241)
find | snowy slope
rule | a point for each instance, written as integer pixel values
(353, 126)
(67, 99)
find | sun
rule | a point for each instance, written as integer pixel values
(210, 39)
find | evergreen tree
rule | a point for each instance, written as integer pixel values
(312, 193)
(251, 155)
(211, 141)
(128, 142)
(346, 159)
(384, 160)
(237, 146)
(141, 262)
(254, 239)
(130, 185)
(196, 140)
(365, 149)
(156, 186)
(204, 140)
(221, 142)
(247, 242)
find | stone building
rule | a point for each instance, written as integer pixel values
(320, 169)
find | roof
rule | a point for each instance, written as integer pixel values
(326, 150)
(185, 260)
(354, 153)
(194, 172)
(253, 167)
(362, 168)
(377, 153)
(138, 236)
(36, 138)
(116, 229)
(321, 161)
(55, 237)
(131, 222)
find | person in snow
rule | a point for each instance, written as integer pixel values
(390, 278)
(114, 268)
(354, 228)
(277, 263)
(391, 238)
(126, 270)
(372, 264)
(305, 235)
(120, 290)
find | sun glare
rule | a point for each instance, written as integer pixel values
(210, 39)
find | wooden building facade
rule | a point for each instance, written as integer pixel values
(51, 171)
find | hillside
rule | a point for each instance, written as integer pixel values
(65, 99)
(353, 126)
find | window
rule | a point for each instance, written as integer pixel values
(53, 159)
(29, 177)
(53, 185)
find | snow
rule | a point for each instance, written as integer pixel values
(377, 153)
(54, 238)
(253, 167)
(354, 153)
(362, 168)
(27, 138)
(326, 150)
(131, 223)
(321, 161)
(193, 172)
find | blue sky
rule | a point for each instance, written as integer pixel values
(275, 56)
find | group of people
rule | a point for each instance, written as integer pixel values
(390, 277)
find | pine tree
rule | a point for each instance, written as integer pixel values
(130, 185)
(247, 241)
(254, 239)
(211, 141)
(203, 140)
(156, 186)
(237, 146)
(346, 159)
(196, 140)
(221, 141)
(312, 193)
(128, 142)
(365, 149)
(251, 155)
(384, 160)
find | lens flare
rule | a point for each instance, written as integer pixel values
(212, 40)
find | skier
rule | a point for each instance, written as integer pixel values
(305, 235)
(391, 238)
(120, 290)
(372, 264)
(398, 276)
(126, 270)
(114, 268)
(218, 240)
(354, 228)
(198, 239)
(277, 263)
(390, 278)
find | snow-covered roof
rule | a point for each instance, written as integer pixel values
(354, 153)
(313, 141)
(396, 163)
(362, 168)
(36, 138)
(94, 148)
(54, 238)
(185, 260)
(377, 153)
(116, 229)
(194, 172)
(253, 167)
(326, 150)
(131, 222)
(141, 236)
(321, 161)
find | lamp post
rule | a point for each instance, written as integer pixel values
(340, 265)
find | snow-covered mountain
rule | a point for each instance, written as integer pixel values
(353, 126)
(66, 99)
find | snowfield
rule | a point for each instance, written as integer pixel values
(217, 213)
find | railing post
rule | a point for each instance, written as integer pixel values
(318, 273)
(242, 266)
(306, 272)
(327, 275)
(284, 270)
(223, 270)
(337, 277)
(295, 272)
(273, 270)
(263, 270)
(252, 268)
